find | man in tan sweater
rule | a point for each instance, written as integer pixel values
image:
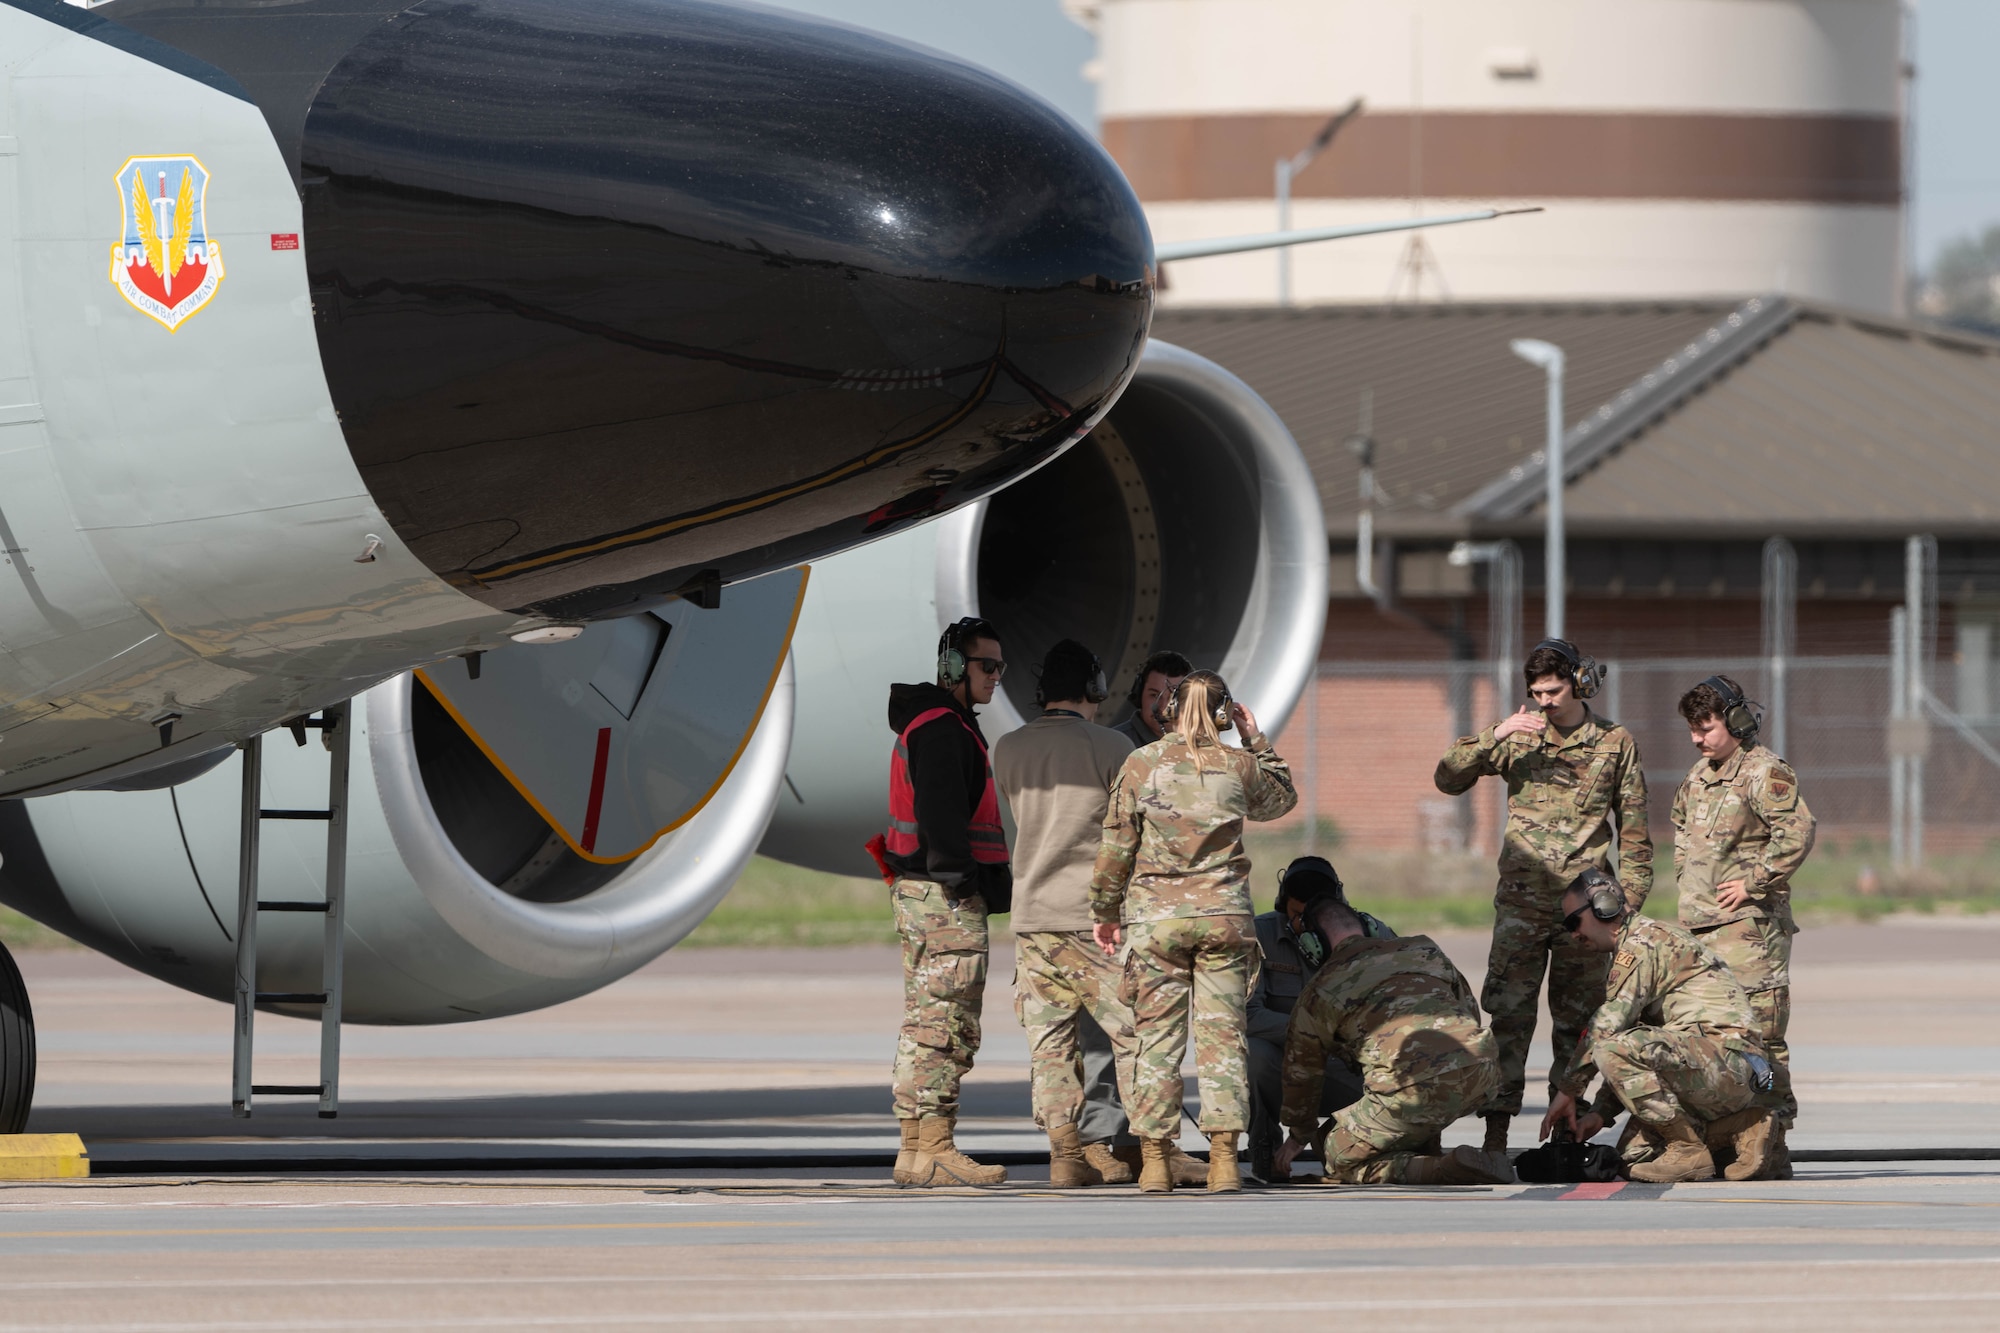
(1056, 775)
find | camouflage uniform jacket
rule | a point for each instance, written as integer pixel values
(1284, 974)
(1173, 835)
(1396, 1011)
(1563, 794)
(1740, 819)
(1662, 977)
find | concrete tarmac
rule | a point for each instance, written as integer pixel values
(773, 1055)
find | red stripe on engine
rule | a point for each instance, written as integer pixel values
(596, 805)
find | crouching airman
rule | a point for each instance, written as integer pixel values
(1675, 1041)
(1397, 1012)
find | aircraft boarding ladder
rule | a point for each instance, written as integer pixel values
(334, 730)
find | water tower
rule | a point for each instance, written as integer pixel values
(1683, 148)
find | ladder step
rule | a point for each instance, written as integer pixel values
(295, 814)
(291, 907)
(286, 1089)
(291, 997)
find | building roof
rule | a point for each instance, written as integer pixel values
(1814, 421)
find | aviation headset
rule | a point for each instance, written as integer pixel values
(1737, 716)
(1311, 940)
(951, 648)
(1585, 674)
(1607, 900)
(1166, 662)
(1096, 686)
(1220, 714)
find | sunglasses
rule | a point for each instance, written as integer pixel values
(1574, 919)
(992, 666)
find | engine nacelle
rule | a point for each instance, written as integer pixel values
(1187, 520)
(149, 877)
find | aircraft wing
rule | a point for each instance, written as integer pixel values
(1272, 240)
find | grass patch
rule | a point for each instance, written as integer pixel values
(20, 932)
(775, 904)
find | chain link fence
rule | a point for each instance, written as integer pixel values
(1365, 740)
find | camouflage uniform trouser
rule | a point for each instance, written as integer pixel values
(1373, 1140)
(1060, 975)
(1659, 1073)
(1165, 961)
(1528, 939)
(1759, 952)
(944, 984)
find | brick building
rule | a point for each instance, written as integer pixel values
(1696, 431)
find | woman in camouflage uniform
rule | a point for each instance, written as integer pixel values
(1172, 869)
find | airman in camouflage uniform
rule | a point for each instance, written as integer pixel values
(1677, 1046)
(1741, 831)
(1397, 1011)
(1171, 867)
(1574, 787)
(944, 855)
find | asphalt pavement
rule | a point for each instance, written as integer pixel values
(482, 1188)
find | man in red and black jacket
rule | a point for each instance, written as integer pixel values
(945, 857)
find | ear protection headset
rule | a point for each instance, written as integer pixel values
(1737, 717)
(1166, 662)
(1096, 687)
(1311, 939)
(1607, 900)
(1586, 674)
(1313, 944)
(1220, 713)
(951, 649)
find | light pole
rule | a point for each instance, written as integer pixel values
(1288, 167)
(1503, 633)
(1550, 358)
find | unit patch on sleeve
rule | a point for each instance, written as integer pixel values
(165, 266)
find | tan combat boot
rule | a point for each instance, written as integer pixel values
(939, 1162)
(1224, 1175)
(1463, 1165)
(1068, 1167)
(1187, 1170)
(906, 1153)
(1496, 1131)
(1749, 1137)
(1156, 1176)
(1104, 1160)
(1686, 1158)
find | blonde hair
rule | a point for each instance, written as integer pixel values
(1195, 702)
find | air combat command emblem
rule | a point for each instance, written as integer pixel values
(166, 265)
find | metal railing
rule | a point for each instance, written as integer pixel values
(1368, 736)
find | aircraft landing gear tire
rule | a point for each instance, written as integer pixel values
(17, 1048)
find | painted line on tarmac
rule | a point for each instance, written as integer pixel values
(128, 1233)
(1596, 1189)
(1148, 1275)
(938, 1314)
(1840, 1203)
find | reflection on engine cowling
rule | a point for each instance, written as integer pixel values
(610, 295)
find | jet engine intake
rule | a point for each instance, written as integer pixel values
(1187, 520)
(466, 897)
